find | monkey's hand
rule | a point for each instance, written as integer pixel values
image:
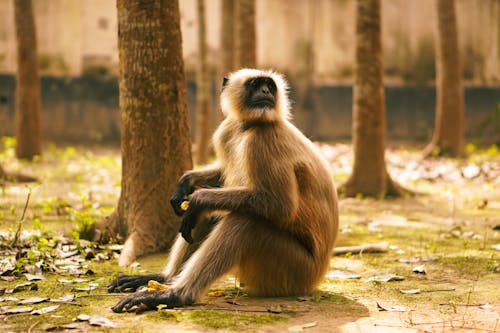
(190, 217)
(150, 299)
(124, 283)
(181, 193)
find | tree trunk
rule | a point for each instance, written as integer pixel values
(369, 175)
(28, 100)
(156, 147)
(245, 46)
(227, 36)
(203, 123)
(448, 138)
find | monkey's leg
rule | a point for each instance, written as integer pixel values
(180, 253)
(216, 256)
(182, 250)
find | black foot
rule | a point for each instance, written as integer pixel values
(130, 283)
(148, 300)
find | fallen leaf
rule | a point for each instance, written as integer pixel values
(410, 291)
(218, 293)
(9, 310)
(156, 286)
(31, 277)
(496, 247)
(83, 317)
(385, 278)
(101, 322)
(34, 300)
(486, 306)
(9, 299)
(300, 328)
(45, 310)
(342, 274)
(63, 299)
(25, 286)
(396, 308)
(419, 269)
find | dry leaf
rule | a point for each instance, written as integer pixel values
(419, 269)
(31, 277)
(410, 291)
(218, 293)
(385, 278)
(83, 317)
(101, 322)
(34, 300)
(45, 310)
(156, 286)
(397, 308)
(25, 286)
(300, 328)
(9, 310)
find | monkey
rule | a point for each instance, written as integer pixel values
(266, 210)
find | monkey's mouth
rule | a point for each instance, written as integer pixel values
(264, 102)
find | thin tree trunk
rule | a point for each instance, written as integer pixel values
(203, 125)
(448, 138)
(227, 56)
(156, 147)
(28, 100)
(245, 44)
(369, 176)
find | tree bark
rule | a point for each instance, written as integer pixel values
(156, 147)
(369, 175)
(203, 123)
(245, 44)
(28, 100)
(448, 138)
(227, 56)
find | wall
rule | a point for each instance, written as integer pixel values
(85, 109)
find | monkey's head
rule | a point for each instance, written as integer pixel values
(255, 95)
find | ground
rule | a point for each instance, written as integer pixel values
(443, 250)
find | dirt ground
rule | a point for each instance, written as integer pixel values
(440, 271)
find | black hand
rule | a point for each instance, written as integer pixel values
(180, 195)
(124, 283)
(151, 299)
(190, 217)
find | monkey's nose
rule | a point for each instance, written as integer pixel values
(265, 90)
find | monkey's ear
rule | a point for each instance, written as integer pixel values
(225, 80)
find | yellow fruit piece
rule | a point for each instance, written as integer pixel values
(218, 293)
(156, 286)
(185, 205)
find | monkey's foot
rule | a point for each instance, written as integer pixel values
(130, 283)
(149, 300)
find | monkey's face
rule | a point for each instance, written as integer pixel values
(260, 93)
(250, 94)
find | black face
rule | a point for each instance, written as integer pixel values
(260, 92)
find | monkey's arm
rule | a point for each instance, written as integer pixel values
(278, 205)
(210, 176)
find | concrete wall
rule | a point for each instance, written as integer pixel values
(77, 34)
(85, 109)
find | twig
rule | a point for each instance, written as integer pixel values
(21, 221)
(437, 290)
(33, 326)
(365, 248)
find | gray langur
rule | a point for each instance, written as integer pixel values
(266, 210)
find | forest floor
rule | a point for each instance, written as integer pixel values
(440, 271)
